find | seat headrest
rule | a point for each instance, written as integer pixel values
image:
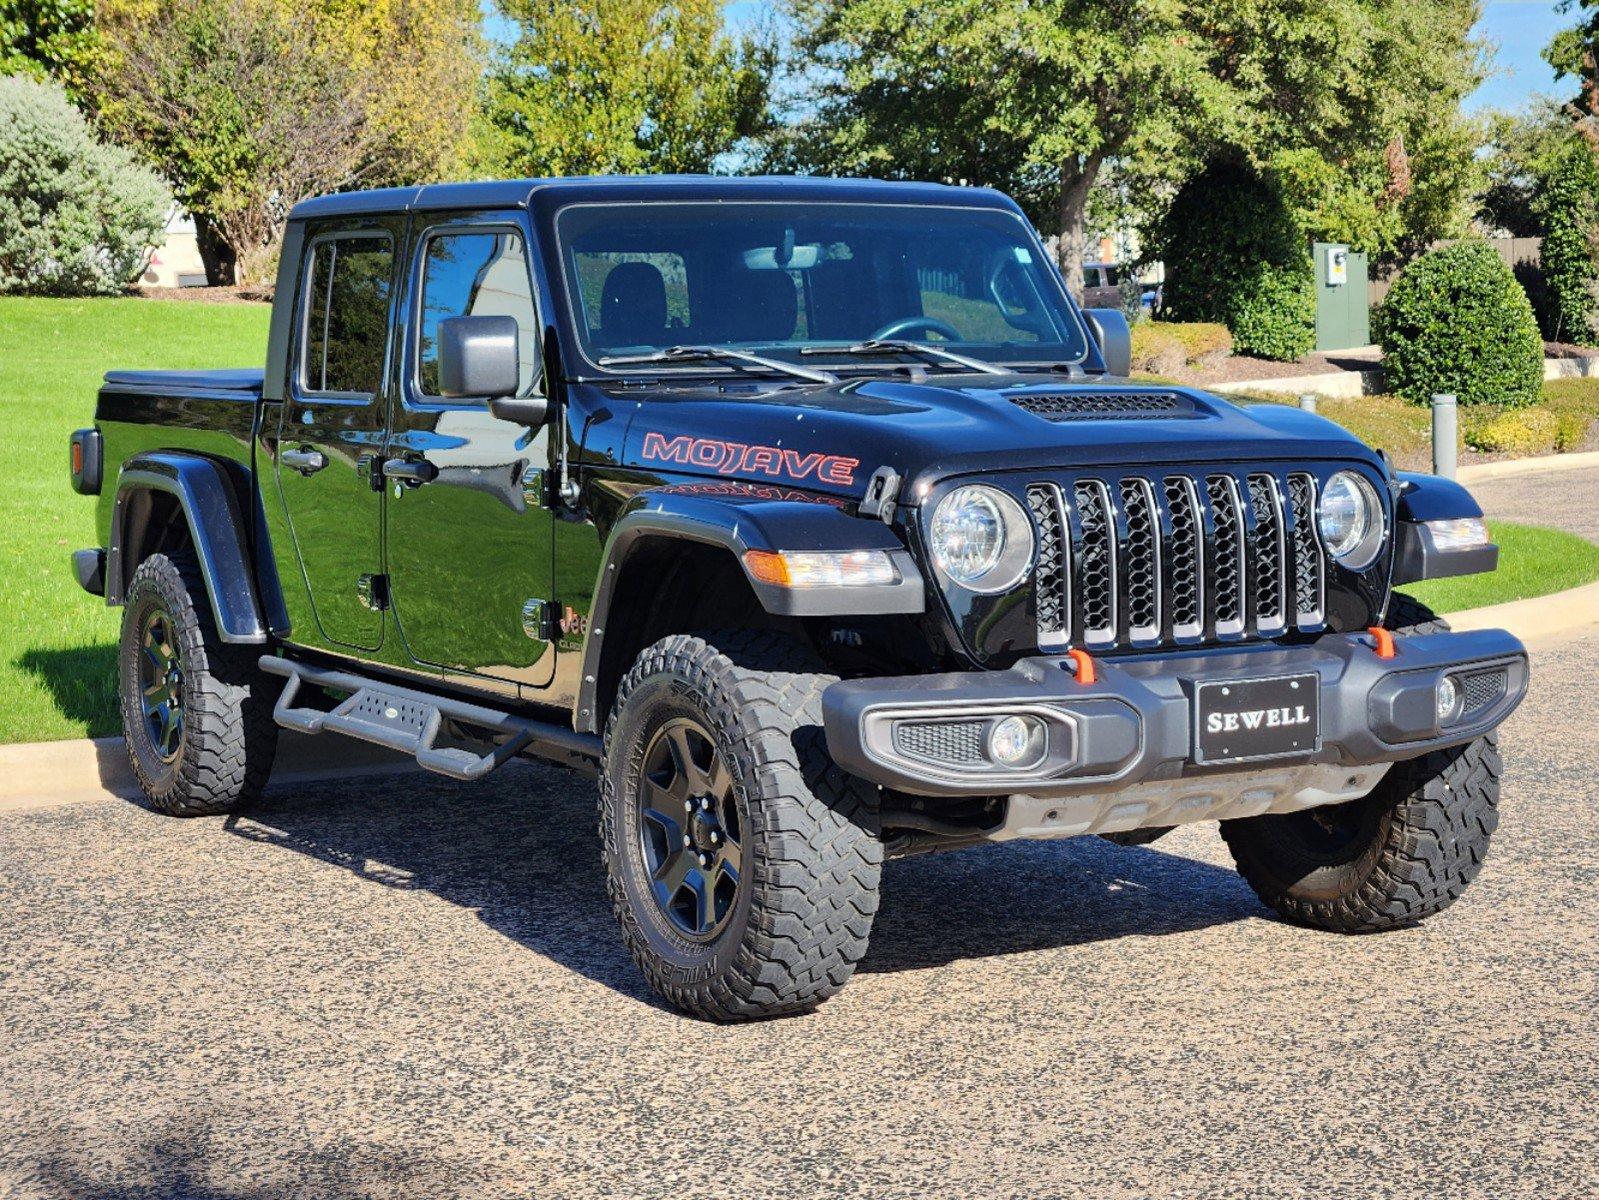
(633, 306)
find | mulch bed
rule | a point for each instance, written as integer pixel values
(208, 295)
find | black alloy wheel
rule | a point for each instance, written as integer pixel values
(161, 684)
(690, 830)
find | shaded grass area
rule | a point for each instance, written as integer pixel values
(1533, 561)
(58, 644)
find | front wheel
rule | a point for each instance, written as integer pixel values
(1391, 859)
(743, 866)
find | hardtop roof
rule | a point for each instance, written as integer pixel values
(516, 193)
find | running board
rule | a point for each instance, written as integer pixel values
(409, 721)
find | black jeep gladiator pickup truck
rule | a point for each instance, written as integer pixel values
(817, 521)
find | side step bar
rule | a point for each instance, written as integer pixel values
(409, 721)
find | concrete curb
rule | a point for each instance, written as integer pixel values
(40, 774)
(1483, 472)
(37, 774)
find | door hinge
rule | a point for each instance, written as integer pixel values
(538, 620)
(373, 591)
(536, 487)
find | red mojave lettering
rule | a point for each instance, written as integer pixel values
(736, 458)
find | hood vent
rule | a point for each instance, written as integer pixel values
(1084, 405)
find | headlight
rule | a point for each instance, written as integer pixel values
(981, 539)
(1350, 519)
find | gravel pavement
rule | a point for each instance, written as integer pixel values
(406, 987)
(1567, 499)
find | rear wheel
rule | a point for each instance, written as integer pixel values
(743, 865)
(1393, 858)
(195, 712)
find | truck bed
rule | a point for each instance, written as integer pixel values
(239, 379)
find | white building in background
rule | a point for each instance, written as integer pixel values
(176, 262)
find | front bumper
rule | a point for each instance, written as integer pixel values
(1132, 730)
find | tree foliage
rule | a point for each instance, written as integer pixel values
(1569, 205)
(1036, 98)
(50, 39)
(1522, 151)
(248, 106)
(1456, 321)
(622, 86)
(76, 215)
(1235, 254)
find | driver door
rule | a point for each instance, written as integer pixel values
(469, 528)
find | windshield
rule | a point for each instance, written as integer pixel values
(793, 279)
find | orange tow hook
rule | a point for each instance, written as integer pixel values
(1086, 672)
(1384, 640)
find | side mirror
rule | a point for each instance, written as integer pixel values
(1110, 329)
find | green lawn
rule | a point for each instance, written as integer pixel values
(1533, 561)
(57, 644)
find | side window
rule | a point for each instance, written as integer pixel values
(347, 315)
(475, 275)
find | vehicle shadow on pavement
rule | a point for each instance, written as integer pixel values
(522, 851)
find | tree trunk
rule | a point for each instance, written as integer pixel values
(1076, 180)
(221, 263)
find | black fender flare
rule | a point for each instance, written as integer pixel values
(739, 518)
(216, 526)
(1423, 498)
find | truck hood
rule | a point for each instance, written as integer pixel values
(830, 438)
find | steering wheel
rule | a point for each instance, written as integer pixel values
(906, 325)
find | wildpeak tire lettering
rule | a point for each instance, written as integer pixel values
(737, 458)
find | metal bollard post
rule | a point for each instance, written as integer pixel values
(1444, 427)
(1308, 402)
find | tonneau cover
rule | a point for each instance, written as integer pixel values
(239, 379)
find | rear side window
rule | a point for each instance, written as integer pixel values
(347, 315)
(476, 275)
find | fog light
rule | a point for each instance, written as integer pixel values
(1448, 698)
(1016, 742)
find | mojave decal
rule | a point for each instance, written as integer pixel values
(737, 458)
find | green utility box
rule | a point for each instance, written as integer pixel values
(1343, 309)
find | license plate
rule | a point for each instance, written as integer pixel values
(1241, 719)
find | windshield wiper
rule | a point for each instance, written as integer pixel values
(674, 354)
(906, 346)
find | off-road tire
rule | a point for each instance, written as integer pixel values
(1416, 841)
(225, 751)
(812, 857)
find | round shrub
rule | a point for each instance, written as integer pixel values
(76, 215)
(1234, 254)
(1457, 321)
(1570, 208)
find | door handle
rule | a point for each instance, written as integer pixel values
(414, 471)
(304, 460)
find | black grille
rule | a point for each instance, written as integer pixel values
(1054, 597)
(1086, 405)
(1308, 564)
(1179, 558)
(1267, 546)
(959, 742)
(1097, 573)
(1480, 690)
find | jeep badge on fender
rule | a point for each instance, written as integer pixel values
(815, 520)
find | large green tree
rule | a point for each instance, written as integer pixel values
(247, 106)
(50, 39)
(1038, 96)
(622, 86)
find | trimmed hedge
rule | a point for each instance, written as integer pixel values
(1234, 254)
(1570, 208)
(1166, 347)
(1457, 321)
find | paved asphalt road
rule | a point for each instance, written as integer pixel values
(411, 988)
